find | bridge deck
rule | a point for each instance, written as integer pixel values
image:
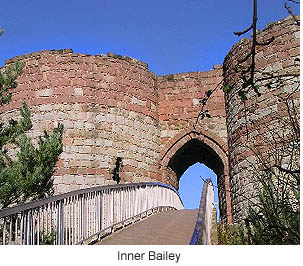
(166, 228)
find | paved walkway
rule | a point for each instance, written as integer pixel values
(166, 228)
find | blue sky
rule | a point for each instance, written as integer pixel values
(172, 36)
(191, 185)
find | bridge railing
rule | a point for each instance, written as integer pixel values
(76, 216)
(203, 227)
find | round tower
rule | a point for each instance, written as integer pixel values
(255, 126)
(108, 106)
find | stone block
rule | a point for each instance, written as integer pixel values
(44, 93)
(101, 118)
(104, 165)
(45, 108)
(78, 91)
(108, 143)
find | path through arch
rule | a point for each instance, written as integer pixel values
(191, 184)
(196, 147)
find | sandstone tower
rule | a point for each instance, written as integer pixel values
(250, 124)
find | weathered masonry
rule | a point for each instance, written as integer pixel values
(113, 107)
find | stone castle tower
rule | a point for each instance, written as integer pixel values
(113, 107)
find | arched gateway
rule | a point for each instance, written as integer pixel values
(186, 140)
(190, 147)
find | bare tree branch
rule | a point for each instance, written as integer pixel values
(294, 1)
(292, 14)
(239, 33)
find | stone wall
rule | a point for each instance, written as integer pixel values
(179, 106)
(249, 124)
(108, 106)
(179, 96)
(184, 140)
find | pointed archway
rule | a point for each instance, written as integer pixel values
(190, 147)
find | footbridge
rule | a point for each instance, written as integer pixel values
(141, 213)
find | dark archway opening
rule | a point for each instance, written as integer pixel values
(193, 152)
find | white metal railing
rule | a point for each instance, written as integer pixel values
(76, 216)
